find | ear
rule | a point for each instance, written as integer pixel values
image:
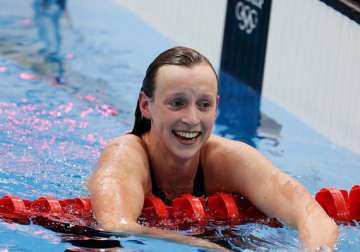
(144, 102)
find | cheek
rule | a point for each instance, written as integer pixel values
(164, 120)
(210, 119)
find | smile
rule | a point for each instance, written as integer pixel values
(187, 135)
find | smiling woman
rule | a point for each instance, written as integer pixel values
(183, 112)
(171, 151)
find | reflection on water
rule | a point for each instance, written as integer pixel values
(37, 42)
(252, 237)
(47, 15)
(239, 114)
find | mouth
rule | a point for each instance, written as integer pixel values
(188, 136)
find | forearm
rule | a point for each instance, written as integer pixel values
(316, 228)
(299, 209)
(113, 204)
(286, 199)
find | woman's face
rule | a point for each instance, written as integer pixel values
(183, 108)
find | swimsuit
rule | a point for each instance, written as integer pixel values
(198, 188)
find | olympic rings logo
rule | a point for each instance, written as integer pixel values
(247, 17)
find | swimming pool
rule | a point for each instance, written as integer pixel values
(69, 84)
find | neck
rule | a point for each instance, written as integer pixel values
(173, 175)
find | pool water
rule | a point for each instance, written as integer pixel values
(69, 83)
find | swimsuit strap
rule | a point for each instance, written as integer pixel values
(156, 190)
(198, 188)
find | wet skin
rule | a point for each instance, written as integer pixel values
(182, 113)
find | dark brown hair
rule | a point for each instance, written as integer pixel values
(180, 56)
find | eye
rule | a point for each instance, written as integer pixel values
(177, 103)
(204, 105)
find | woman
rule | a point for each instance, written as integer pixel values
(171, 151)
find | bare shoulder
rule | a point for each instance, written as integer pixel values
(125, 146)
(228, 163)
(219, 147)
(123, 158)
(127, 140)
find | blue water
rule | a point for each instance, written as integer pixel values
(69, 83)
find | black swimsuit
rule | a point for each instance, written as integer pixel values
(198, 188)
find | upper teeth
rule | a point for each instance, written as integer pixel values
(187, 134)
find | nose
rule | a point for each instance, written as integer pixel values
(191, 116)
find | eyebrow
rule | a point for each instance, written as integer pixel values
(183, 93)
(207, 96)
(177, 94)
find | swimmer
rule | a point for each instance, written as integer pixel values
(171, 151)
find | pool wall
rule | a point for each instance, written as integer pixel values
(313, 68)
(198, 24)
(312, 61)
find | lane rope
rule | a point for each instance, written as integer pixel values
(185, 211)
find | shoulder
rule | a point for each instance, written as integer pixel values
(124, 153)
(227, 163)
(219, 146)
(126, 143)
(125, 158)
(128, 139)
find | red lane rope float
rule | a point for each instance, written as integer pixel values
(186, 211)
(354, 202)
(222, 206)
(342, 206)
(15, 209)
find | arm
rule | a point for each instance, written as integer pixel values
(269, 189)
(117, 189)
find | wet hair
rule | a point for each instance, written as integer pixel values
(179, 56)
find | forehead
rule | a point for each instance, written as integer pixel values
(199, 78)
